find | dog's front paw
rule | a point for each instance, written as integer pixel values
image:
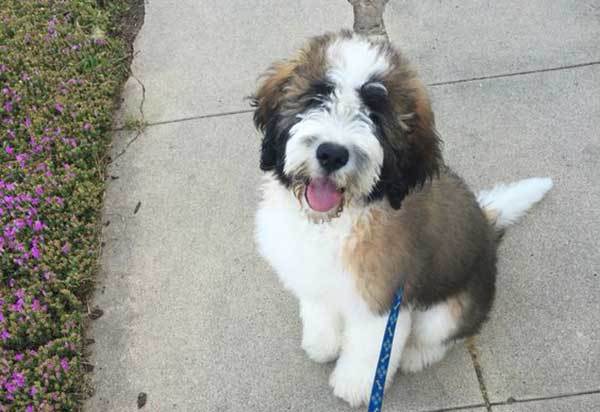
(321, 332)
(352, 381)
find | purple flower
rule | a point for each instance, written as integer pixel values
(19, 223)
(59, 108)
(32, 391)
(87, 126)
(27, 122)
(9, 150)
(35, 305)
(64, 363)
(19, 357)
(29, 408)
(25, 77)
(39, 190)
(17, 307)
(9, 232)
(35, 252)
(66, 248)
(38, 226)
(18, 379)
(10, 387)
(21, 158)
(4, 335)
(8, 106)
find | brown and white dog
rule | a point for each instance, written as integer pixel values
(357, 201)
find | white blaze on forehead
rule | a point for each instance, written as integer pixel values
(353, 62)
(342, 119)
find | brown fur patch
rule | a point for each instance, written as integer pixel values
(491, 215)
(431, 245)
(286, 81)
(365, 256)
(456, 305)
(269, 94)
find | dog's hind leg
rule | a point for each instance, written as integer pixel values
(429, 338)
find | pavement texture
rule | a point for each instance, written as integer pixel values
(196, 320)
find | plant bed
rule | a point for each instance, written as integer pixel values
(62, 64)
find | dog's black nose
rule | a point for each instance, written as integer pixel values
(332, 156)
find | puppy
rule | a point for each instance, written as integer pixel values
(357, 202)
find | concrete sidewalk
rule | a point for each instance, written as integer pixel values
(196, 320)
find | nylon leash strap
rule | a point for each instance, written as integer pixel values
(376, 401)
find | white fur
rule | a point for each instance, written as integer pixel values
(512, 201)
(337, 322)
(353, 374)
(306, 257)
(321, 331)
(335, 126)
(344, 120)
(354, 62)
(427, 343)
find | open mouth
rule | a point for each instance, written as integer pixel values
(323, 195)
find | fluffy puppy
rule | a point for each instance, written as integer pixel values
(357, 202)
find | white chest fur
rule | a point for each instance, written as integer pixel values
(306, 255)
(336, 321)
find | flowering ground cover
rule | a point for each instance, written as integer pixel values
(61, 66)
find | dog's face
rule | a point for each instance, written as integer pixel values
(344, 121)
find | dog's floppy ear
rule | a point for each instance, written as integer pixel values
(270, 92)
(267, 102)
(418, 155)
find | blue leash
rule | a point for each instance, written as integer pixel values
(376, 402)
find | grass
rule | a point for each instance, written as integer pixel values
(61, 65)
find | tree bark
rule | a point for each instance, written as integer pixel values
(368, 18)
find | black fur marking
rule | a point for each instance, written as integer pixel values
(276, 135)
(317, 95)
(403, 167)
(276, 130)
(321, 87)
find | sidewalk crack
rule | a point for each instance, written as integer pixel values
(141, 124)
(522, 73)
(474, 352)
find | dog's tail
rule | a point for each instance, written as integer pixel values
(505, 204)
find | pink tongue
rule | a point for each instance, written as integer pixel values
(322, 194)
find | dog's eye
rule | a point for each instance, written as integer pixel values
(318, 93)
(375, 96)
(373, 90)
(322, 88)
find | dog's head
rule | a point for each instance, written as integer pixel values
(346, 120)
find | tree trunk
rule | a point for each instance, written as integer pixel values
(368, 18)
